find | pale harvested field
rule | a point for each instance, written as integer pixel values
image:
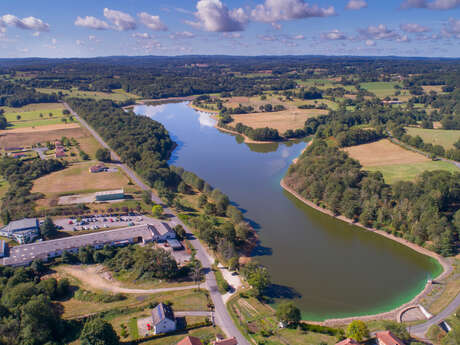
(428, 88)
(77, 179)
(281, 120)
(383, 152)
(21, 137)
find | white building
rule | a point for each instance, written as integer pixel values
(162, 232)
(163, 319)
(23, 231)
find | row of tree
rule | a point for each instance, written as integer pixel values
(425, 211)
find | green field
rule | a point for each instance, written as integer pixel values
(32, 118)
(381, 89)
(116, 95)
(445, 138)
(3, 187)
(408, 172)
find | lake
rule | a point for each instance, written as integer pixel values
(331, 269)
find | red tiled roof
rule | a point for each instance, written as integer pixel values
(229, 341)
(190, 341)
(388, 338)
(348, 341)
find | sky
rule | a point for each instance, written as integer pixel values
(89, 28)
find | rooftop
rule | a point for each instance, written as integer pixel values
(110, 192)
(19, 225)
(348, 341)
(190, 341)
(162, 312)
(229, 341)
(389, 338)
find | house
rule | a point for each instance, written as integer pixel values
(163, 232)
(60, 152)
(220, 340)
(174, 244)
(18, 155)
(23, 231)
(388, 338)
(97, 168)
(348, 341)
(190, 341)
(163, 319)
(110, 195)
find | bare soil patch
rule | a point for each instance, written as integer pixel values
(383, 152)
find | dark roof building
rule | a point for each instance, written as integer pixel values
(22, 231)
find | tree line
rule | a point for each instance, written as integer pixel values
(425, 212)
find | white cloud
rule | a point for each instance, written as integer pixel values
(181, 35)
(433, 5)
(370, 43)
(214, 16)
(379, 32)
(144, 36)
(356, 4)
(122, 21)
(268, 38)
(92, 38)
(414, 28)
(152, 22)
(79, 43)
(36, 34)
(91, 23)
(334, 35)
(28, 23)
(53, 41)
(276, 26)
(298, 37)
(277, 10)
(452, 28)
(403, 39)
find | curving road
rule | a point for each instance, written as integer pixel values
(222, 317)
(420, 330)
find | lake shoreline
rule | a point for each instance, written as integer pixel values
(392, 314)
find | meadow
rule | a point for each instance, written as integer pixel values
(117, 95)
(445, 138)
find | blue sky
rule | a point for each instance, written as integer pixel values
(87, 28)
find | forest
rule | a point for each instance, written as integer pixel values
(425, 212)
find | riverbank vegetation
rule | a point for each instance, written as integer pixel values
(424, 212)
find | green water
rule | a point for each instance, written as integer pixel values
(329, 268)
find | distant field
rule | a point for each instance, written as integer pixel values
(21, 137)
(394, 162)
(408, 172)
(3, 187)
(77, 178)
(445, 138)
(428, 88)
(34, 115)
(116, 95)
(89, 145)
(383, 152)
(281, 120)
(381, 89)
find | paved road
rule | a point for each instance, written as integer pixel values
(420, 330)
(223, 319)
(41, 151)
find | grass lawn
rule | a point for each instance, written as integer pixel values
(381, 89)
(206, 334)
(408, 172)
(116, 95)
(40, 107)
(443, 294)
(249, 314)
(89, 145)
(445, 138)
(77, 178)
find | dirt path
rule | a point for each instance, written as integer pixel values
(93, 276)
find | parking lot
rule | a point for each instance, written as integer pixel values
(106, 221)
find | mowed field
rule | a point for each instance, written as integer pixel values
(34, 115)
(77, 179)
(445, 138)
(381, 89)
(394, 162)
(280, 120)
(116, 95)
